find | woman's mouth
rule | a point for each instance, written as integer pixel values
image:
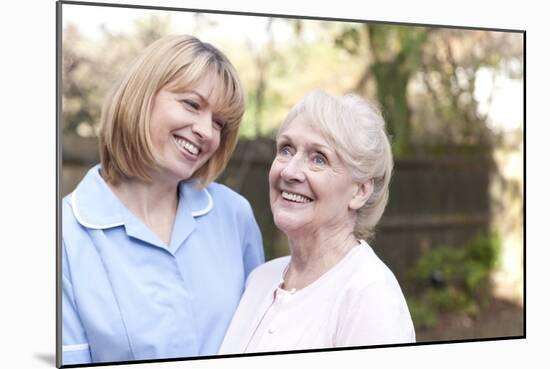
(189, 148)
(294, 197)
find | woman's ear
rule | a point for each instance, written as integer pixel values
(362, 194)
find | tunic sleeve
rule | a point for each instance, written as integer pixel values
(76, 349)
(253, 254)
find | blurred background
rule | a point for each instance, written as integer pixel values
(453, 231)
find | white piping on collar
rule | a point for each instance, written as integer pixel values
(86, 224)
(208, 207)
(102, 226)
(69, 348)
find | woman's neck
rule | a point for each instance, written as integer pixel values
(154, 203)
(314, 254)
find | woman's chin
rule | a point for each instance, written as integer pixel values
(288, 225)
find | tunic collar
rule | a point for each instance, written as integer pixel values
(95, 206)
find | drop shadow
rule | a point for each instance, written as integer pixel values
(46, 358)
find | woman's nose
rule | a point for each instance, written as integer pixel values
(293, 170)
(203, 126)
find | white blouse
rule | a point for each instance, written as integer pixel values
(358, 302)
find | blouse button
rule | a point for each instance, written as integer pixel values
(271, 330)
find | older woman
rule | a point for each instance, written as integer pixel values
(328, 189)
(155, 254)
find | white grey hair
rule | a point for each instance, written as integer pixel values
(356, 128)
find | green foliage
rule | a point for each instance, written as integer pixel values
(423, 315)
(454, 279)
(397, 56)
(484, 250)
(348, 40)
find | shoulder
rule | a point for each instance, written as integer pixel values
(373, 291)
(67, 213)
(268, 273)
(76, 242)
(368, 274)
(273, 266)
(66, 201)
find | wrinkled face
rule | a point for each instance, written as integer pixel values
(310, 188)
(185, 131)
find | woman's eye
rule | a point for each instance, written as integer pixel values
(319, 160)
(285, 150)
(218, 124)
(191, 104)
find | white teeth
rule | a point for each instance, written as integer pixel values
(191, 148)
(295, 197)
(187, 145)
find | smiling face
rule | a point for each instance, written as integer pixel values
(310, 188)
(184, 129)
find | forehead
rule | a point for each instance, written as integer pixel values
(206, 85)
(302, 129)
(209, 87)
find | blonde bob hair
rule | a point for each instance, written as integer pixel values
(356, 129)
(176, 63)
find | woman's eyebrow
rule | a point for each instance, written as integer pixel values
(283, 138)
(215, 104)
(204, 99)
(323, 147)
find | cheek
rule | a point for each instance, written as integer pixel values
(274, 172)
(272, 178)
(216, 143)
(158, 140)
(214, 146)
(159, 129)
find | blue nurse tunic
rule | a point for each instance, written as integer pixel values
(128, 296)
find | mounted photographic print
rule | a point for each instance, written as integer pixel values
(234, 183)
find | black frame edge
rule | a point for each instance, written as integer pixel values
(58, 157)
(276, 15)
